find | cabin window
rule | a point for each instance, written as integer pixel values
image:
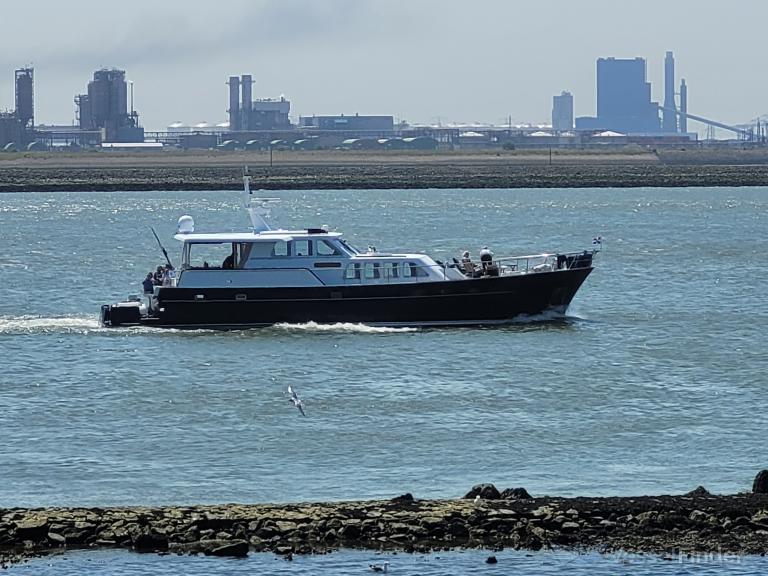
(280, 248)
(353, 272)
(348, 246)
(302, 248)
(393, 269)
(413, 270)
(325, 248)
(372, 270)
(211, 255)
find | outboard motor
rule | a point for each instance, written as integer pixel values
(124, 313)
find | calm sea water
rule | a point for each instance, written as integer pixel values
(655, 382)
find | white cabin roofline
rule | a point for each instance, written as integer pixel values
(265, 236)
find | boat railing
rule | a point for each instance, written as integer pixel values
(544, 262)
(454, 270)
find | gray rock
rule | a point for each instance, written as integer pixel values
(34, 528)
(56, 539)
(699, 491)
(235, 548)
(515, 494)
(350, 532)
(148, 541)
(485, 491)
(570, 527)
(406, 498)
(760, 485)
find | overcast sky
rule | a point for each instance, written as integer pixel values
(419, 60)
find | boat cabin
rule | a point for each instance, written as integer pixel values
(293, 258)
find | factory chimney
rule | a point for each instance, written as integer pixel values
(669, 121)
(246, 81)
(683, 107)
(234, 103)
(25, 97)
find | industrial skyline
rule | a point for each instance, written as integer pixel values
(624, 106)
(426, 61)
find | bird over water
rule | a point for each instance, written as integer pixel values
(296, 400)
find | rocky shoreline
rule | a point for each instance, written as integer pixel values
(694, 523)
(376, 176)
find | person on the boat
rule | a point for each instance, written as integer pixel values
(486, 261)
(148, 284)
(229, 262)
(469, 267)
(466, 261)
(158, 276)
(168, 275)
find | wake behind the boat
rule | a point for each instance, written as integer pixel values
(341, 327)
(85, 324)
(30, 324)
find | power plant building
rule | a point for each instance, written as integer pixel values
(623, 99)
(356, 123)
(11, 133)
(247, 114)
(17, 128)
(105, 108)
(562, 112)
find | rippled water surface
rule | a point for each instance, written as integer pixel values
(656, 381)
(350, 563)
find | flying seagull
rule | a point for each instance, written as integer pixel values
(296, 400)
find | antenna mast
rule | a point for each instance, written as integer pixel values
(256, 213)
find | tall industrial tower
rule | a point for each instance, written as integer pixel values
(246, 86)
(669, 121)
(683, 107)
(25, 97)
(562, 112)
(234, 103)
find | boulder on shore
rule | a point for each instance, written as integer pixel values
(485, 491)
(515, 494)
(760, 485)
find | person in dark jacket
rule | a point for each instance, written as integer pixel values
(148, 284)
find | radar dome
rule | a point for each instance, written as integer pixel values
(186, 225)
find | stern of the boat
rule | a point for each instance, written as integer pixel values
(128, 313)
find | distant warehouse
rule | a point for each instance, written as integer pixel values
(349, 123)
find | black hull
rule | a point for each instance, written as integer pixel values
(472, 302)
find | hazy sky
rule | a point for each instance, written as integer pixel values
(420, 60)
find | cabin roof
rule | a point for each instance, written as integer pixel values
(264, 236)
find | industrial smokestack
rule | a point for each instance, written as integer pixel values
(683, 107)
(234, 103)
(25, 97)
(669, 122)
(246, 82)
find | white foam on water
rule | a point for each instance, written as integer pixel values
(6, 263)
(342, 327)
(545, 316)
(41, 324)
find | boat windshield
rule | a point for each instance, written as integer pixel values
(349, 246)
